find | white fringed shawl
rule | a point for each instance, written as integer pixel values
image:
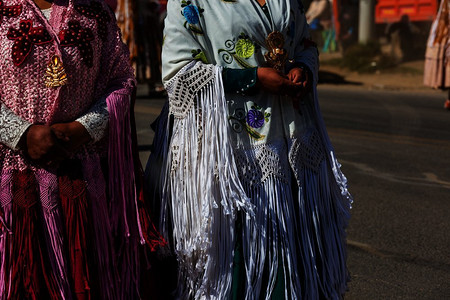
(202, 182)
(295, 224)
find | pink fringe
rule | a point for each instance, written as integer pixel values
(49, 197)
(5, 228)
(108, 278)
(122, 189)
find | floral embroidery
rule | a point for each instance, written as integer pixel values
(24, 38)
(199, 55)
(240, 51)
(76, 36)
(255, 118)
(95, 11)
(9, 11)
(245, 47)
(192, 15)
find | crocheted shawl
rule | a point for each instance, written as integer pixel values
(84, 35)
(232, 151)
(96, 66)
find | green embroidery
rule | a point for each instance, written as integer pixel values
(239, 51)
(245, 48)
(199, 55)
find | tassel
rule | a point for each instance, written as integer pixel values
(5, 229)
(26, 261)
(54, 230)
(202, 189)
(126, 223)
(107, 278)
(72, 191)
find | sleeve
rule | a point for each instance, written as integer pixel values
(181, 43)
(241, 81)
(12, 127)
(96, 120)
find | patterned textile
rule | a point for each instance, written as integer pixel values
(80, 224)
(437, 56)
(264, 154)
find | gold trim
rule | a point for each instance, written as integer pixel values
(55, 75)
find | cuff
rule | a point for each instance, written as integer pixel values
(240, 80)
(12, 128)
(96, 120)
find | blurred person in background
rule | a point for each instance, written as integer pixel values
(126, 14)
(72, 221)
(437, 56)
(319, 18)
(348, 18)
(149, 39)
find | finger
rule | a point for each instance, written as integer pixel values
(291, 76)
(297, 79)
(60, 135)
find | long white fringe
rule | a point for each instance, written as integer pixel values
(204, 192)
(299, 229)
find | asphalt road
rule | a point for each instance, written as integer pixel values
(395, 152)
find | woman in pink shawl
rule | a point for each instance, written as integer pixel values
(71, 214)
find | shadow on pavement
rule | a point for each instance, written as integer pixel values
(333, 78)
(400, 257)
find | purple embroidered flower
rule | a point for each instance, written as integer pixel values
(255, 118)
(191, 13)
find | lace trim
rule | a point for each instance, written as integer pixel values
(96, 120)
(184, 86)
(256, 165)
(12, 127)
(261, 162)
(306, 151)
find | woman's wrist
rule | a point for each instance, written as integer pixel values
(240, 80)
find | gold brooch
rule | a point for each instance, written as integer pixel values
(276, 56)
(55, 75)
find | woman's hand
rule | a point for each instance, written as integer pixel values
(73, 135)
(302, 77)
(42, 145)
(274, 82)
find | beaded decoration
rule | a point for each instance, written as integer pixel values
(24, 38)
(9, 11)
(96, 11)
(76, 36)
